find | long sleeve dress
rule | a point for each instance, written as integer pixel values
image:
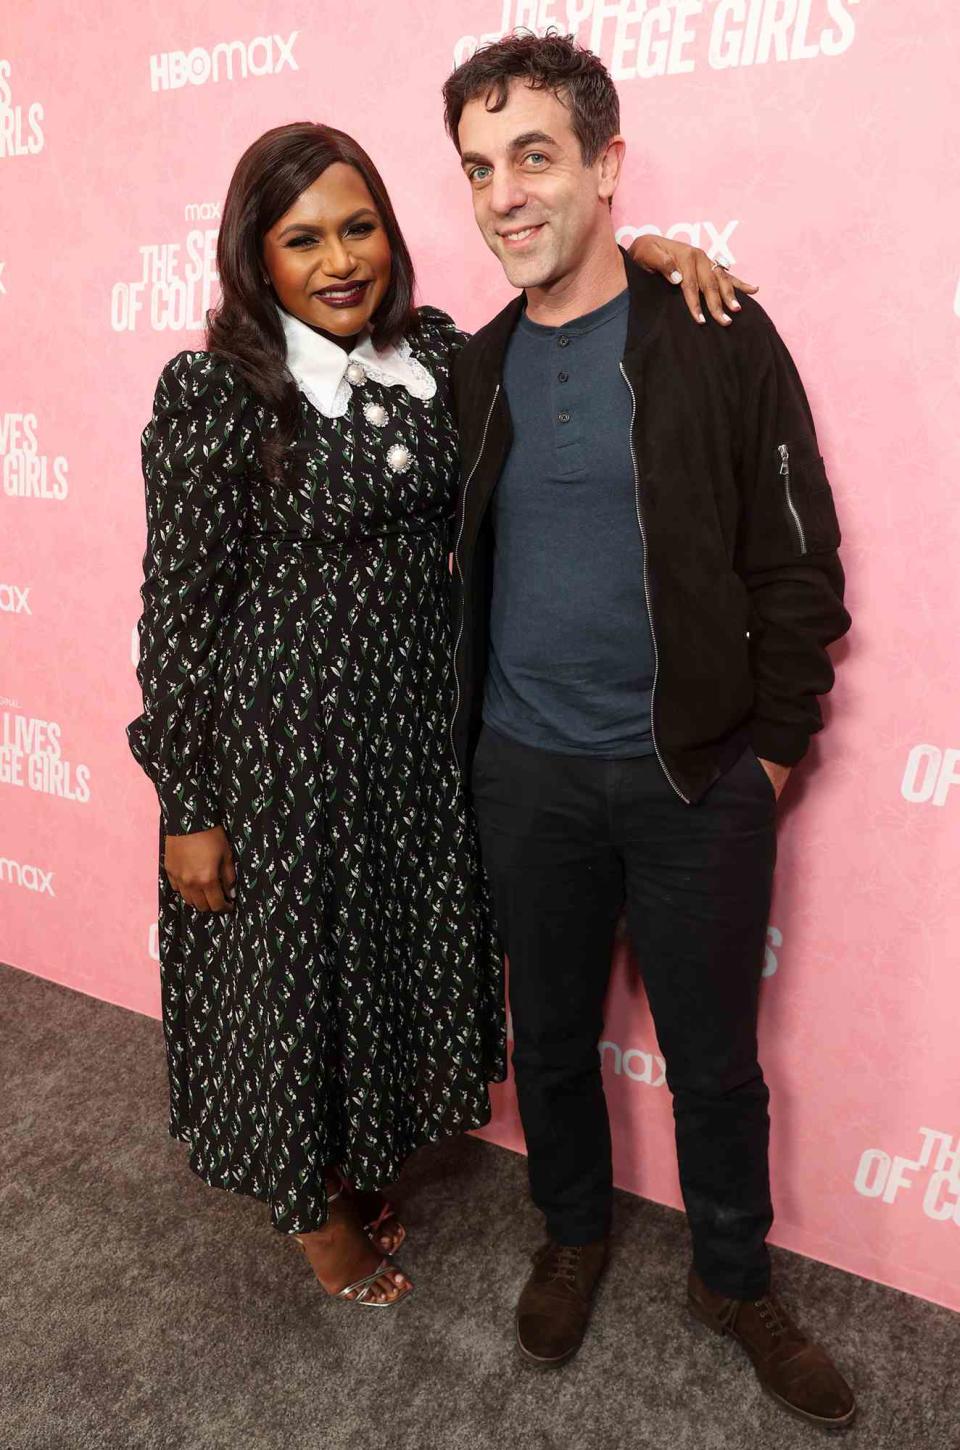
(296, 674)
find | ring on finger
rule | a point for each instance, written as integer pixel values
(719, 264)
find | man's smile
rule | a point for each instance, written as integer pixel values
(517, 236)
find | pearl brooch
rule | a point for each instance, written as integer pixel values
(355, 374)
(376, 414)
(398, 458)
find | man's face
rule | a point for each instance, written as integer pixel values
(539, 208)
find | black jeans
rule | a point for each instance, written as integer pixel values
(567, 841)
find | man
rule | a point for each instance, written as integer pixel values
(647, 585)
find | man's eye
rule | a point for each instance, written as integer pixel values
(536, 157)
(480, 173)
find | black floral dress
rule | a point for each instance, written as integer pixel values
(295, 665)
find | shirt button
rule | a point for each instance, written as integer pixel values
(563, 341)
(563, 417)
(562, 377)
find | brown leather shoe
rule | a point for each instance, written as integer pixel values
(796, 1372)
(554, 1306)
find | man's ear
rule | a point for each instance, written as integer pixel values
(611, 166)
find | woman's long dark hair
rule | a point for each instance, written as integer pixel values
(244, 327)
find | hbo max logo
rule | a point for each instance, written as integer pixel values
(929, 775)
(265, 55)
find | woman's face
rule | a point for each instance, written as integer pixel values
(328, 257)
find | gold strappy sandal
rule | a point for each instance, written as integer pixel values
(358, 1292)
(365, 1285)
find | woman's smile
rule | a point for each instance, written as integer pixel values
(342, 294)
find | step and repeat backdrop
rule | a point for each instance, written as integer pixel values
(808, 141)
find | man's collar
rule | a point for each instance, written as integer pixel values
(648, 295)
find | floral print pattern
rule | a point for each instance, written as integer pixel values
(296, 674)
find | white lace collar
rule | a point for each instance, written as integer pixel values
(326, 375)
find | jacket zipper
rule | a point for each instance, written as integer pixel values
(646, 591)
(784, 452)
(456, 560)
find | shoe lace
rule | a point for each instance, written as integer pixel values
(775, 1318)
(562, 1264)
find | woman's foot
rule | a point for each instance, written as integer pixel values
(340, 1253)
(384, 1228)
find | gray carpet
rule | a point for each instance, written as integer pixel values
(142, 1310)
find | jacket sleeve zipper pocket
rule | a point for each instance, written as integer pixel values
(784, 452)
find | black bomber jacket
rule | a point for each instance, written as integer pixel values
(743, 582)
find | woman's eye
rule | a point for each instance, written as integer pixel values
(360, 229)
(301, 242)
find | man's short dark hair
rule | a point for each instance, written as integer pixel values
(552, 62)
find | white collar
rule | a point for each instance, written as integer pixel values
(326, 375)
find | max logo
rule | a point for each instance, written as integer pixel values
(203, 211)
(648, 1067)
(13, 599)
(714, 240)
(31, 878)
(265, 55)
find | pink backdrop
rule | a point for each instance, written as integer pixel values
(806, 138)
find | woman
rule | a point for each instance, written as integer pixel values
(332, 990)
